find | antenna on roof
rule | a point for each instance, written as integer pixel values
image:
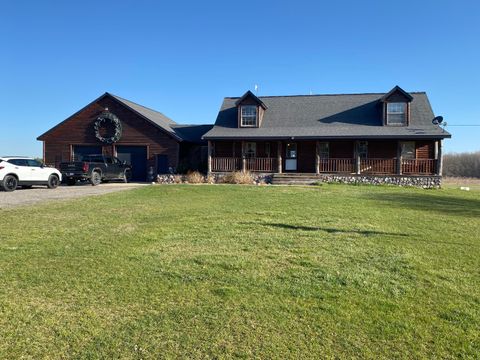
(438, 120)
(311, 93)
(256, 89)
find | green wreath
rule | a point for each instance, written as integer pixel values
(104, 118)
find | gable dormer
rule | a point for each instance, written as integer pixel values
(250, 111)
(396, 107)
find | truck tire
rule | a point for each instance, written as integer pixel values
(53, 181)
(10, 183)
(96, 178)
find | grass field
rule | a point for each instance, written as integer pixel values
(241, 271)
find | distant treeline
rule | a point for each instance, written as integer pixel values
(462, 164)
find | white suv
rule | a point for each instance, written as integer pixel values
(23, 171)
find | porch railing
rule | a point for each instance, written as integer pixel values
(261, 164)
(419, 166)
(378, 166)
(226, 163)
(332, 165)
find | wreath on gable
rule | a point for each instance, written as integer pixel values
(107, 119)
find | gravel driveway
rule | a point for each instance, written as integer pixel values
(42, 194)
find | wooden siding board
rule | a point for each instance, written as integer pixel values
(135, 131)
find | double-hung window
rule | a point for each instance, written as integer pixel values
(408, 149)
(250, 150)
(396, 113)
(248, 116)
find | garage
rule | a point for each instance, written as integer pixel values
(143, 137)
(136, 156)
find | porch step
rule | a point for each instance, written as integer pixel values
(294, 179)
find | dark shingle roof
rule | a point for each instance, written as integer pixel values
(192, 133)
(326, 116)
(157, 118)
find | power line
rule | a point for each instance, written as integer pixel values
(464, 125)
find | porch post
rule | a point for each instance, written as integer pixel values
(357, 157)
(399, 158)
(440, 158)
(317, 157)
(279, 156)
(209, 162)
(244, 161)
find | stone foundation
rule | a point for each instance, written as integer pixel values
(426, 182)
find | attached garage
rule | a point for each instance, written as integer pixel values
(142, 137)
(137, 157)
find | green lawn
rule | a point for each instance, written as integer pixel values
(241, 271)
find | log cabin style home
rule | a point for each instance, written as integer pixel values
(387, 134)
(144, 138)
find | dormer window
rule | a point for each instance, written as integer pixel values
(249, 116)
(396, 113)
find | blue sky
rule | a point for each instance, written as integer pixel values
(182, 58)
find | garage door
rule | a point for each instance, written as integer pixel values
(79, 151)
(136, 156)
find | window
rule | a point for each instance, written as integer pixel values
(33, 163)
(324, 150)
(250, 150)
(408, 150)
(291, 152)
(362, 149)
(249, 116)
(396, 113)
(18, 162)
(267, 149)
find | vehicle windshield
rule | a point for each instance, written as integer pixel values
(92, 158)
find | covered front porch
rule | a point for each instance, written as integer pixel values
(355, 157)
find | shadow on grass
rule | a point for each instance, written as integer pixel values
(432, 202)
(328, 230)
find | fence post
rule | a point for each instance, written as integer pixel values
(209, 161)
(399, 158)
(440, 159)
(279, 157)
(357, 156)
(244, 160)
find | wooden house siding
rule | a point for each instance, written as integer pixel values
(137, 131)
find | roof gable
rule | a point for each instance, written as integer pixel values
(251, 96)
(397, 94)
(154, 117)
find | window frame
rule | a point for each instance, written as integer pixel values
(324, 149)
(248, 116)
(396, 113)
(267, 150)
(404, 153)
(253, 146)
(362, 149)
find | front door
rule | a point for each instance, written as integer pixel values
(291, 157)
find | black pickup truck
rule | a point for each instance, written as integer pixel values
(95, 169)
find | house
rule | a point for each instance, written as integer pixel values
(141, 136)
(349, 134)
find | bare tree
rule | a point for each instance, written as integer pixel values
(462, 164)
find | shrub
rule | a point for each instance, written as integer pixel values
(177, 179)
(239, 177)
(210, 179)
(194, 177)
